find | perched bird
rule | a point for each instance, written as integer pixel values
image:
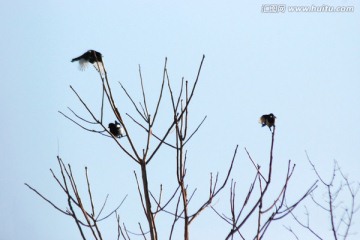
(268, 120)
(116, 129)
(92, 57)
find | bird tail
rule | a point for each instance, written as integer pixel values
(75, 59)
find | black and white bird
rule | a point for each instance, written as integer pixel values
(92, 57)
(267, 120)
(117, 129)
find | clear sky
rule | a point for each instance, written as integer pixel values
(303, 67)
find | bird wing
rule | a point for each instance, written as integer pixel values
(262, 119)
(83, 64)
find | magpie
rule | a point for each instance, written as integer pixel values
(267, 120)
(116, 129)
(92, 57)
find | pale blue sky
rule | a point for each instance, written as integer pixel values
(303, 67)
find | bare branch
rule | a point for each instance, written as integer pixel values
(160, 95)
(215, 191)
(195, 130)
(146, 112)
(47, 200)
(132, 101)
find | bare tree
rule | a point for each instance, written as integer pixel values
(151, 205)
(258, 203)
(337, 190)
(83, 218)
